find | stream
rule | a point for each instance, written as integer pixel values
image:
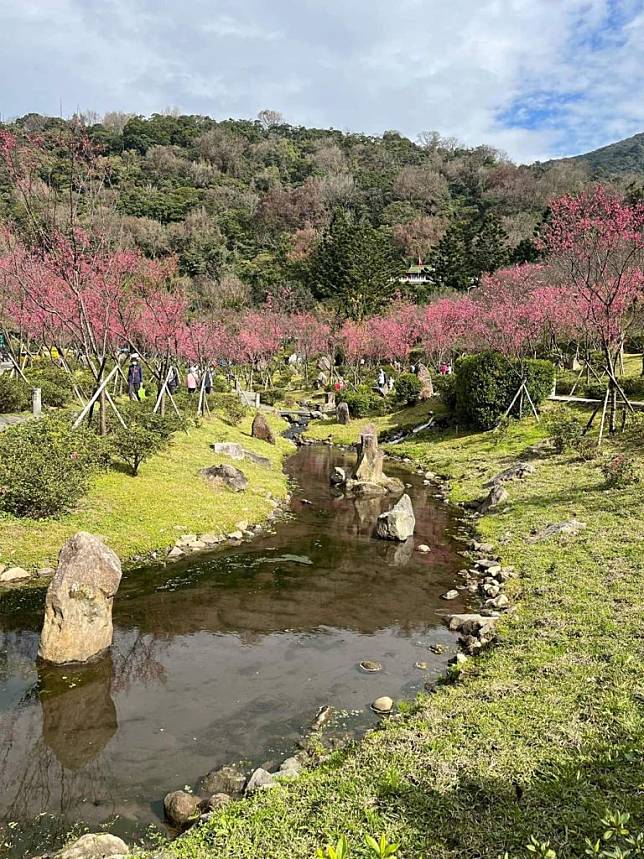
(224, 657)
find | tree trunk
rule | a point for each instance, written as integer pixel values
(103, 413)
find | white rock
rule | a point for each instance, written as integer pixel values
(175, 552)
(14, 574)
(260, 780)
(94, 846)
(423, 548)
(384, 704)
(235, 535)
(449, 595)
(399, 522)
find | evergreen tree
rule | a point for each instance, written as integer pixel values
(449, 260)
(489, 247)
(354, 267)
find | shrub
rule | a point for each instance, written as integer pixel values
(135, 444)
(633, 387)
(55, 386)
(407, 388)
(229, 406)
(565, 429)
(363, 402)
(15, 396)
(445, 387)
(142, 415)
(220, 384)
(486, 384)
(272, 396)
(619, 471)
(45, 466)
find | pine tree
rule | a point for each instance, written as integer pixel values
(354, 267)
(489, 247)
(449, 260)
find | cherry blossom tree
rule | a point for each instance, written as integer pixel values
(596, 244)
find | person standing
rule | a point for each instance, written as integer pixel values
(134, 380)
(173, 380)
(192, 380)
(207, 382)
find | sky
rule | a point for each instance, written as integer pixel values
(534, 78)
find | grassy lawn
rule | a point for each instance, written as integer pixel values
(137, 515)
(405, 418)
(538, 736)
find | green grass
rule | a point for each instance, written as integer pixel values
(404, 418)
(539, 736)
(137, 515)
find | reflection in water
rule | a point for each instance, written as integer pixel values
(224, 657)
(78, 713)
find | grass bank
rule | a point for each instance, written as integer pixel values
(403, 419)
(539, 735)
(137, 515)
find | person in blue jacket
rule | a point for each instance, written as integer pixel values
(134, 379)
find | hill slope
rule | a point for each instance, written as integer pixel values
(616, 159)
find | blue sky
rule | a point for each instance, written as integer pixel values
(535, 78)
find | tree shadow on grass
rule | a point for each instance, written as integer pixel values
(563, 803)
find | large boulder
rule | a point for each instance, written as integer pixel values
(78, 606)
(342, 413)
(370, 457)
(98, 845)
(426, 385)
(397, 523)
(226, 475)
(181, 808)
(229, 779)
(235, 451)
(229, 448)
(261, 429)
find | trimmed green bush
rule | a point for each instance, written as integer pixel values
(135, 444)
(45, 466)
(15, 396)
(229, 406)
(407, 388)
(486, 384)
(565, 429)
(272, 396)
(363, 402)
(55, 386)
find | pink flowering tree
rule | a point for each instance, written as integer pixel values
(60, 263)
(444, 326)
(396, 332)
(311, 336)
(595, 240)
(358, 344)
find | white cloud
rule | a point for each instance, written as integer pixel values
(534, 77)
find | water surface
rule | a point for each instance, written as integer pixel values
(222, 658)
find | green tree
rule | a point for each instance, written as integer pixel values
(354, 267)
(449, 260)
(489, 247)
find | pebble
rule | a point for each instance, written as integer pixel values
(423, 548)
(370, 667)
(384, 704)
(421, 665)
(449, 595)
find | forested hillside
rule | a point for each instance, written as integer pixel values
(252, 207)
(624, 158)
